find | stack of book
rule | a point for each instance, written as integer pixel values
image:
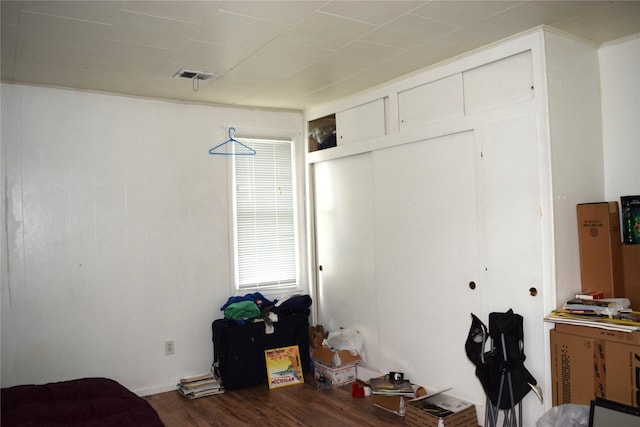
(200, 386)
(598, 306)
(590, 295)
(384, 387)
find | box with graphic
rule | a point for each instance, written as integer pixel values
(630, 219)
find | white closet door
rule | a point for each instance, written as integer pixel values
(426, 230)
(344, 245)
(513, 237)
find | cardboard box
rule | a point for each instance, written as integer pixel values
(583, 368)
(395, 404)
(334, 376)
(600, 248)
(632, 338)
(631, 267)
(316, 336)
(333, 358)
(463, 413)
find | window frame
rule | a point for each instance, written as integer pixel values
(297, 198)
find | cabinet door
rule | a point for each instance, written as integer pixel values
(344, 244)
(431, 102)
(512, 239)
(498, 84)
(359, 123)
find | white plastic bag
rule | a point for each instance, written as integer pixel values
(569, 415)
(347, 339)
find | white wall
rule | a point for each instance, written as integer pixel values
(116, 234)
(620, 82)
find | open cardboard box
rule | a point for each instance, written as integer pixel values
(457, 412)
(396, 404)
(334, 358)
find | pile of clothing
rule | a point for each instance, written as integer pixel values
(252, 306)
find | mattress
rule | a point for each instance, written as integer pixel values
(88, 402)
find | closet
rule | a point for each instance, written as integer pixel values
(459, 198)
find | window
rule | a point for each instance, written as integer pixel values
(264, 217)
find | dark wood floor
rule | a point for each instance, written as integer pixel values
(298, 405)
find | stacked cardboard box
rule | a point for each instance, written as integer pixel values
(591, 362)
(334, 367)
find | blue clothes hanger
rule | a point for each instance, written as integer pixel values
(251, 151)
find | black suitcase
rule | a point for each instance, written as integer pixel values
(238, 350)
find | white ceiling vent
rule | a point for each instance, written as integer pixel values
(191, 74)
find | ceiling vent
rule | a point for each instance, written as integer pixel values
(199, 75)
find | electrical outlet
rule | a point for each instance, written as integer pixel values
(168, 348)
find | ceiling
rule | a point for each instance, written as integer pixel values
(273, 54)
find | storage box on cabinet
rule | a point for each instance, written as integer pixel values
(322, 133)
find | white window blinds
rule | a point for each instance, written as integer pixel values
(264, 200)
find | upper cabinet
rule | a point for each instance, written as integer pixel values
(362, 122)
(365, 121)
(431, 102)
(439, 97)
(498, 84)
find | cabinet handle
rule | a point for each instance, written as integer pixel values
(320, 267)
(472, 285)
(533, 291)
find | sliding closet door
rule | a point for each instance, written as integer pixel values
(344, 245)
(426, 256)
(513, 244)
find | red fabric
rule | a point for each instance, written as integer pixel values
(87, 402)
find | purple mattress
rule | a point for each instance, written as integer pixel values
(88, 402)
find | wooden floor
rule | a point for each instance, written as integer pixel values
(298, 405)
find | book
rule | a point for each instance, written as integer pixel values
(599, 302)
(190, 394)
(385, 387)
(590, 295)
(623, 322)
(443, 405)
(283, 366)
(200, 386)
(203, 384)
(604, 306)
(436, 410)
(206, 376)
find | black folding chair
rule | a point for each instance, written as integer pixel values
(501, 369)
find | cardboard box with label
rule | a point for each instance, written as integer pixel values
(600, 241)
(586, 363)
(329, 376)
